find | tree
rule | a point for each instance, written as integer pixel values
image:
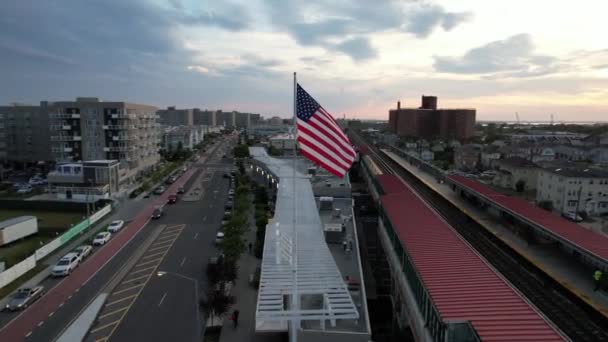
(218, 302)
(520, 185)
(241, 151)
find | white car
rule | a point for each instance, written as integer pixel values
(65, 265)
(25, 189)
(102, 238)
(83, 251)
(116, 226)
(219, 237)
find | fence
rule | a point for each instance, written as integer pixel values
(21, 268)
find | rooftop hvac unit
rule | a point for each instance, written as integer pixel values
(326, 203)
(333, 233)
(337, 212)
(312, 171)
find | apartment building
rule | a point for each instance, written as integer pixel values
(574, 189)
(187, 136)
(89, 129)
(176, 117)
(24, 135)
(516, 169)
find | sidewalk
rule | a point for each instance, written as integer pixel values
(245, 299)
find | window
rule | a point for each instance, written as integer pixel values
(572, 203)
(590, 193)
(591, 181)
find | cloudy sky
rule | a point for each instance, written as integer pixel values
(355, 57)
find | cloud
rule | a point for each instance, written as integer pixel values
(344, 26)
(422, 21)
(511, 57)
(357, 48)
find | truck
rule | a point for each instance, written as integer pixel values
(17, 228)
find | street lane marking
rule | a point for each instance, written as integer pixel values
(148, 262)
(163, 298)
(143, 269)
(103, 339)
(167, 237)
(112, 313)
(204, 218)
(127, 289)
(104, 326)
(134, 279)
(182, 263)
(162, 244)
(157, 248)
(120, 300)
(151, 255)
(196, 236)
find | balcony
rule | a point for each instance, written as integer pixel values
(118, 148)
(64, 116)
(123, 137)
(123, 116)
(61, 127)
(66, 138)
(118, 127)
(61, 149)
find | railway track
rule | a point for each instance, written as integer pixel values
(575, 318)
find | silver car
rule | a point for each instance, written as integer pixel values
(24, 298)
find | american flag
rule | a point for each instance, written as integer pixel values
(321, 139)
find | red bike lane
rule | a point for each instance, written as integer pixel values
(20, 327)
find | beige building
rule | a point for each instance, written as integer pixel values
(90, 129)
(176, 117)
(569, 189)
(515, 169)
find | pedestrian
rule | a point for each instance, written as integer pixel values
(344, 245)
(235, 318)
(597, 278)
(250, 247)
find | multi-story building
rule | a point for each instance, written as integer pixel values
(24, 135)
(186, 136)
(516, 169)
(85, 181)
(89, 129)
(467, 157)
(430, 122)
(176, 117)
(242, 120)
(574, 189)
(206, 117)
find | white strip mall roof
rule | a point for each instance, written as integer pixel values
(301, 264)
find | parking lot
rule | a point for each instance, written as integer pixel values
(124, 295)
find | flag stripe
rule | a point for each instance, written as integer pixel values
(322, 129)
(327, 165)
(321, 149)
(313, 135)
(320, 138)
(333, 130)
(333, 125)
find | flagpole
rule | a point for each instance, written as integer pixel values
(295, 324)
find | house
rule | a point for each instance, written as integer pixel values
(598, 155)
(513, 170)
(427, 155)
(571, 153)
(572, 189)
(86, 181)
(488, 155)
(467, 157)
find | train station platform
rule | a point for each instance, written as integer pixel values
(564, 268)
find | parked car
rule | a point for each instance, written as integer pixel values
(102, 238)
(65, 265)
(172, 199)
(116, 226)
(157, 213)
(36, 180)
(24, 297)
(219, 237)
(26, 189)
(572, 217)
(160, 190)
(83, 251)
(181, 190)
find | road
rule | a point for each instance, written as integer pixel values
(66, 298)
(166, 305)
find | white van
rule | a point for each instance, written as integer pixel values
(65, 265)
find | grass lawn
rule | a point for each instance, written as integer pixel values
(46, 219)
(50, 225)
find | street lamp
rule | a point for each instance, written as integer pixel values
(196, 297)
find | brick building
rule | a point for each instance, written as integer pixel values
(430, 122)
